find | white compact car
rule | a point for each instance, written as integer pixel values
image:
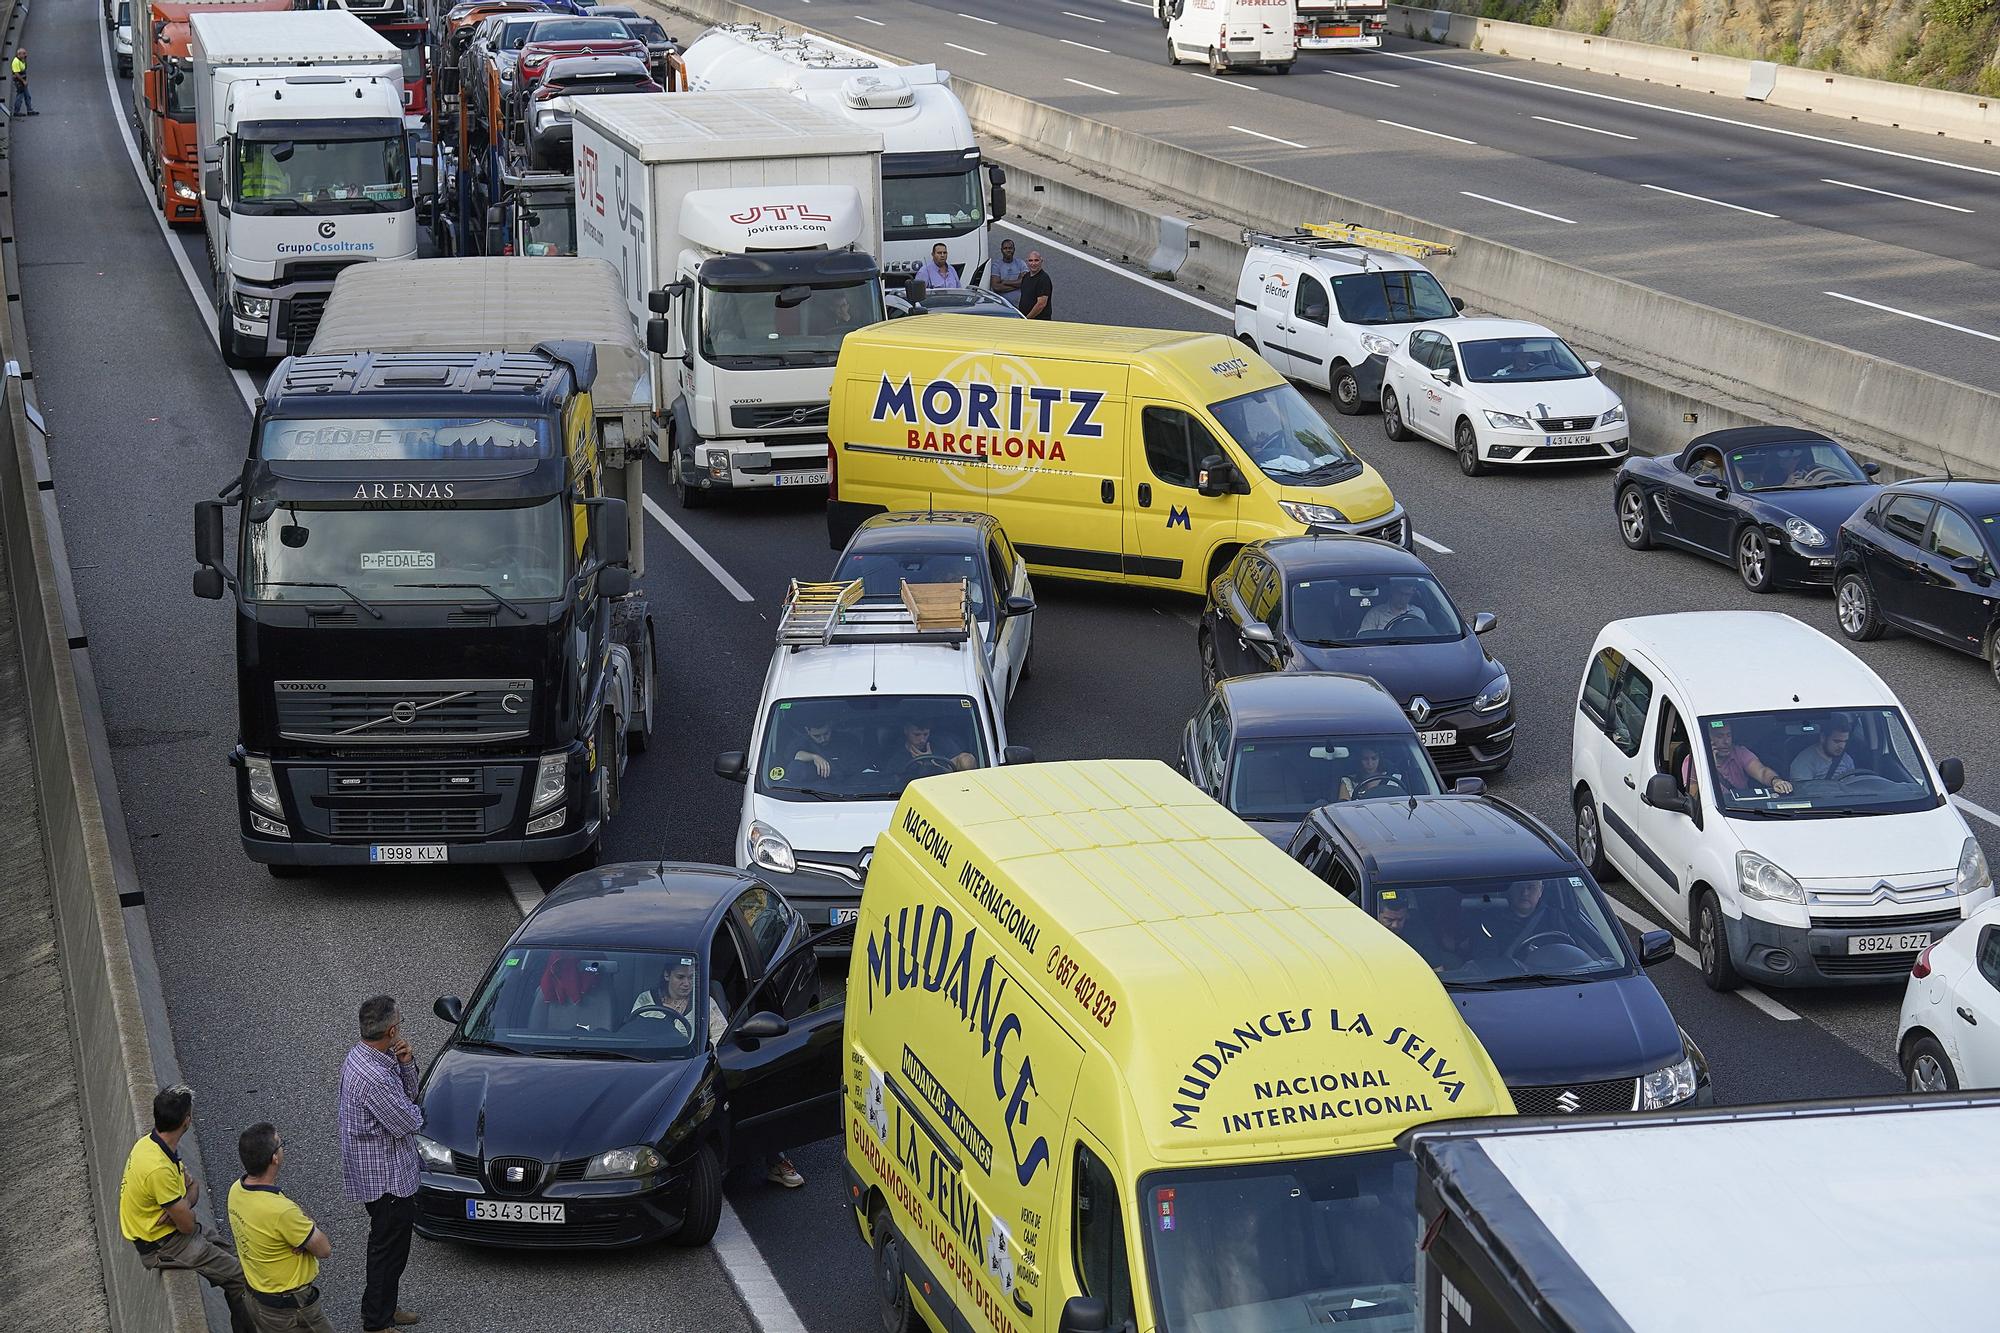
(1501, 391)
(1765, 789)
(1943, 1044)
(121, 38)
(862, 698)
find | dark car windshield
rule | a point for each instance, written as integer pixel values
(1796, 465)
(1287, 440)
(1284, 1247)
(883, 574)
(574, 1001)
(1529, 360)
(1276, 777)
(871, 746)
(1391, 298)
(1362, 610)
(1856, 761)
(1485, 932)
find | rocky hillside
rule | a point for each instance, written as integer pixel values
(1939, 43)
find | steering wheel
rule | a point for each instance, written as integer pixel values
(1820, 474)
(1367, 785)
(1402, 616)
(1521, 945)
(674, 1016)
(927, 765)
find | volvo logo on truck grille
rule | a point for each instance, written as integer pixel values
(400, 712)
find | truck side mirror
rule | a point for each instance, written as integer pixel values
(208, 534)
(208, 583)
(997, 209)
(659, 335)
(427, 176)
(614, 546)
(211, 184)
(913, 292)
(614, 581)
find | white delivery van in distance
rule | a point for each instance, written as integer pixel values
(1230, 34)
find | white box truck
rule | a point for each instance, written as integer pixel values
(932, 188)
(748, 223)
(305, 169)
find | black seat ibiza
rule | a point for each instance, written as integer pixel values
(1921, 559)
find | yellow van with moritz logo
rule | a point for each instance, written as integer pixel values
(1140, 456)
(1116, 1062)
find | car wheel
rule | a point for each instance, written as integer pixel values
(1215, 65)
(704, 1206)
(1854, 605)
(1392, 417)
(1993, 653)
(1345, 389)
(1466, 440)
(1927, 1068)
(892, 1283)
(1590, 837)
(1172, 57)
(647, 688)
(1635, 524)
(1711, 939)
(1285, 68)
(1754, 560)
(1211, 669)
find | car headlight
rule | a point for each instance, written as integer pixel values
(1312, 515)
(621, 1163)
(263, 784)
(1375, 344)
(253, 307)
(182, 190)
(1668, 1087)
(767, 848)
(1973, 875)
(1760, 878)
(1803, 533)
(551, 781)
(1614, 416)
(1495, 696)
(434, 1154)
(1508, 421)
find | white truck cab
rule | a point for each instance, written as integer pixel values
(1326, 305)
(864, 695)
(1766, 790)
(1232, 34)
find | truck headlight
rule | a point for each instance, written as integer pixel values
(1495, 696)
(767, 848)
(1312, 515)
(1667, 1087)
(434, 1154)
(1803, 533)
(551, 781)
(263, 784)
(1973, 876)
(623, 1163)
(182, 190)
(1376, 344)
(1760, 878)
(1508, 421)
(253, 307)
(1614, 417)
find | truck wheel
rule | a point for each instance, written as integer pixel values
(1215, 65)
(1345, 390)
(610, 758)
(1711, 938)
(230, 356)
(690, 496)
(892, 1282)
(1173, 56)
(640, 735)
(704, 1209)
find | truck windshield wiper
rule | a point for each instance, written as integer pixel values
(337, 587)
(480, 586)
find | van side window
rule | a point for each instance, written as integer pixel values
(1176, 445)
(1629, 705)
(1670, 741)
(1310, 304)
(1598, 682)
(1099, 1229)
(1989, 955)
(1907, 516)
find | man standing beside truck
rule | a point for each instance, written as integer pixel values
(1038, 290)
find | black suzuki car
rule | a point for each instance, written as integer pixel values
(1361, 606)
(1921, 558)
(647, 1026)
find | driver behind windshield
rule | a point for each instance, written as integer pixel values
(1368, 777)
(1394, 606)
(1736, 766)
(674, 995)
(917, 758)
(817, 745)
(1526, 916)
(1827, 758)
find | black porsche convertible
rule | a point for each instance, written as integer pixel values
(1767, 499)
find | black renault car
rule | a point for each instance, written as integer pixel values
(647, 1026)
(1523, 939)
(1357, 605)
(1921, 559)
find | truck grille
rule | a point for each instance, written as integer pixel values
(302, 314)
(1617, 1094)
(778, 416)
(403, 782)
(323, 270)
(403, 712)
(370, 822)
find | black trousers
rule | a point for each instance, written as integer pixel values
(389, 1228)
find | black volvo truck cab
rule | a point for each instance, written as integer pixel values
(437, 650)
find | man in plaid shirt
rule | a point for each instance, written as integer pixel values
(379, 1120)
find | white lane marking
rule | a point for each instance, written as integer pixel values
(1227, 83)
(991, 23)
(1363, 78)
(694, 548)
(204, 306)
(752, 1277)
(1519, 208)
(1976, 810)
(1092, 86)
(1415, 129)
(1071, 13)
(1261, 135)
(523, 887)
(877, 22)
(1704, 199)
(1910, 314)
(1137, 4)
(1083, 46)
(971, 51)
(1891, 194)
(1428, 544)
(1696, 115)
(1750, 995)
(1587, 129)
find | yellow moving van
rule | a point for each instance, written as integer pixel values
(1115, 1061)
(1141, 456)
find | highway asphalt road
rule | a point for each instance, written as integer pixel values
(262, 976)
(1785, 217)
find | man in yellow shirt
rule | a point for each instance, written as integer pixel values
(156, 1202)
(281, 1247)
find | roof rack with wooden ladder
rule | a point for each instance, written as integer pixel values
(1345, 241)
(818, 615)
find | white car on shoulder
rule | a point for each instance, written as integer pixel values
(861, 699)
(1767, 791)
(1950, 1033)
(1501, 391)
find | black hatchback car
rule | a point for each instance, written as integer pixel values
(1361, 606)
(1921, 558)
(1524, 941)
(647, 1026)
(1765, 499)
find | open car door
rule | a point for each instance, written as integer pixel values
(783, 1052)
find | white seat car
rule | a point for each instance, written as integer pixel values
(1765, 790)
(861, 699)
(1501, 391)
(1950, 1034)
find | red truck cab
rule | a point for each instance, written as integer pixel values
(163, 98)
